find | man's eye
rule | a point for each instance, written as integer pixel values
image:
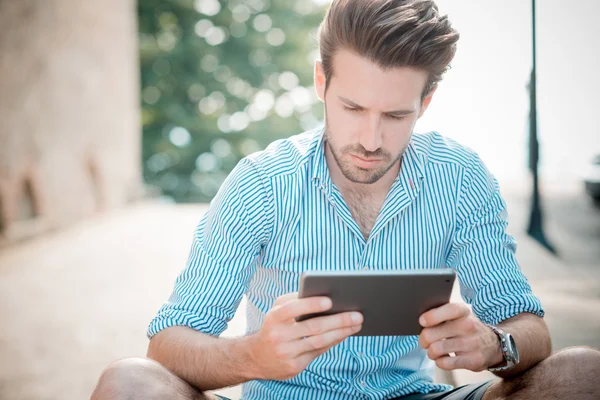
(397, 118)
(351, 109)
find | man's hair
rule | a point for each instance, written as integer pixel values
(390, 33)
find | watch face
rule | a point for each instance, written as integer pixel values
(513, 348)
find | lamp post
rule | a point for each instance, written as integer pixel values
(535, 228)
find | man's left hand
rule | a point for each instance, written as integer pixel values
(452, 328)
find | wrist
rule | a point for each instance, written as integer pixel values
(247, 352)
(496, 357)
(508, 349)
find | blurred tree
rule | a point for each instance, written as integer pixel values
(221, 80)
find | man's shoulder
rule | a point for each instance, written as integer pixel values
(287, 156)
(438, 149)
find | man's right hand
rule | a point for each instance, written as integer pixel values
(283, 347)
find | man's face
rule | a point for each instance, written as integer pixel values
(370, 114)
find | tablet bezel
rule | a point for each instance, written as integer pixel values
(374, 293)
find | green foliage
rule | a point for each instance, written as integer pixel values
(221, 80)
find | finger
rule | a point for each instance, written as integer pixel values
(311, 355)
(325, 340)
(447, 330)
(471, 361)
(319, 325)
(447, 312)
(295, 308)
(285, 298)
(307, 358)
(443, 348)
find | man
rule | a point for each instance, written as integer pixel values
(363, 192)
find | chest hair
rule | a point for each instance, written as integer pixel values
(364, 208)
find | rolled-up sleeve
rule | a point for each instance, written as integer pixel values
(483, 253)
(225, 251)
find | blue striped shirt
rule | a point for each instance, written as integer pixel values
(279, 214)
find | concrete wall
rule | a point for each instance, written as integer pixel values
(70, 137)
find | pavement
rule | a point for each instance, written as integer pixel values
(73, 301)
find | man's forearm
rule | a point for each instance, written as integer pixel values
(532, 338)
(202, 360)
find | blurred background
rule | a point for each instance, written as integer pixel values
(221, 80)
(119, 120)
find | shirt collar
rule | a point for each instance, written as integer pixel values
(321, 176)
(412, 170)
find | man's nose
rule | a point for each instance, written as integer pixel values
(371, 136)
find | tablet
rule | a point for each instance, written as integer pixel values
(390, 301)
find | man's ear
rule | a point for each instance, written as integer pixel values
(320, 81)
(426, 101)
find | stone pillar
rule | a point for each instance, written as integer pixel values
(70, 136)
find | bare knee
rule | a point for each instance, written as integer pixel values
(579, 363)
(569, 373)
(578, 355)
(134, 378)
(576, 371)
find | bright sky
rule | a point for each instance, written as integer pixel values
(483, 101)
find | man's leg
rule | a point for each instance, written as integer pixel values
(473, 391)
(141, 378)
(573, 373)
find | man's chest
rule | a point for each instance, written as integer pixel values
(324, 238)
(364, 209)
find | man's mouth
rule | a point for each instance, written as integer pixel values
(365, 162)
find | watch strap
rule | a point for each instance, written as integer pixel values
(503, 339)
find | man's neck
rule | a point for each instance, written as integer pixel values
(363, 200)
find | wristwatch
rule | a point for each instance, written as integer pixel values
(508, 348)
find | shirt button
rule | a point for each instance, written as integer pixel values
(363, 384)
(366, 268)
(361, 354)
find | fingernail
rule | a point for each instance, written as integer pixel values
(356, 317)
(422, 321)
(325, 303)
